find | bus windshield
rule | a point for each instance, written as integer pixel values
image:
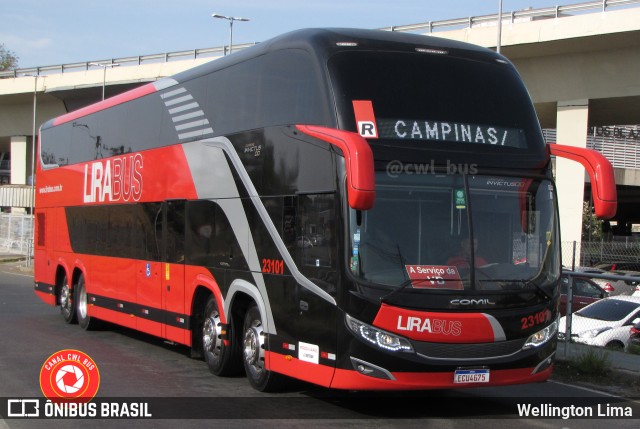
(458, 233)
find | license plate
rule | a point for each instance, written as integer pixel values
(471, 376)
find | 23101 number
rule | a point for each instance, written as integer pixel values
(535, 319)
(272, 266)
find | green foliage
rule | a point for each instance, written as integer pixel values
(633, 349)
(8, 59)
(591, 225)
(593, 362)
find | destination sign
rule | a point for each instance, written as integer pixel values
(441, 131)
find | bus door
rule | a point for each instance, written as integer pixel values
(146, 230)
(316, 257)
(172, 271)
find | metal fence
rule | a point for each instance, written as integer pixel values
(589, 254)
(15, 233)
(602, 270)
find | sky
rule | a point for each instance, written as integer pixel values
(51, 32)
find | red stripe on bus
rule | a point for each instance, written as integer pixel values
(105, 104)
(286, 364)
(352, 380)
(440, 327)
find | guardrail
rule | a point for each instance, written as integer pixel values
(125, 61)
(548, 12)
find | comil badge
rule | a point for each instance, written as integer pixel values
(69, 376)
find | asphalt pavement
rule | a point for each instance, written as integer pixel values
(17, 264)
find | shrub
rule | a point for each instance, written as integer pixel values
(593, 362)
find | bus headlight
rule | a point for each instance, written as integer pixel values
(383, 339)
(542, 336)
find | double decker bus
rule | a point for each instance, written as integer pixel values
(357, 209)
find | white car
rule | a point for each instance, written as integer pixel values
(605, 323)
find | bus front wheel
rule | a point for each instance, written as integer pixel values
(253, 351)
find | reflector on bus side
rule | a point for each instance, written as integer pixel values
(359, 163)
(603, 181)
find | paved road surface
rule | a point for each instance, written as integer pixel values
(135, 366)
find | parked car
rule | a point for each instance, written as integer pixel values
(585, 292)
(605, 323)
(634, 335)
(619, 266)
(607, 285)
(631, 269)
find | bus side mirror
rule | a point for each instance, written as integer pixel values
(603, 181)
(361, 184)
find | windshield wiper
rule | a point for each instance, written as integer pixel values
(402, 285)
(396, 291)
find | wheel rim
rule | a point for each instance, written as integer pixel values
(211, 337)
(65, 299)
(253, 352)
(82, 302)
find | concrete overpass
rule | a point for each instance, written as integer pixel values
(581, 70)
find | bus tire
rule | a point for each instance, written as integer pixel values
(67, 302)
(85, 321)
(221, 359)
(253, 350)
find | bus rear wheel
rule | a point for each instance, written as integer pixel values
(222, 357)
(85, 321)
(67, 303)
(253, 351)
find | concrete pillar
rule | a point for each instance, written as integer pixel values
(19, 157)
(572, 121)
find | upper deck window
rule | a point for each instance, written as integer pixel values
(441, 101)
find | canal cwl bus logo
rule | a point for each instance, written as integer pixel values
(479, 301)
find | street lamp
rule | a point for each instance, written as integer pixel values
(33, 164)
(230, 19)
(104, 73)
(499, 26)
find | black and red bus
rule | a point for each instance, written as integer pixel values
(357, 209)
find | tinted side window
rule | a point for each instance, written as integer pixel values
(55, 146)
(316, 239)
(210, 240)
(290, 90)
(122, 231)
(175, 223)
(125, 128)
(279, 88)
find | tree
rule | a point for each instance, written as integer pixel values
(8, 59)
(591, 225)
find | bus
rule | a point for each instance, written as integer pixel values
(357, 209)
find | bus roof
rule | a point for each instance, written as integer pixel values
(323, 42)
(326, 41)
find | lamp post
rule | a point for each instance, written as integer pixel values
(33, 164)
(230, 19)
(104, 73)
(499, 26)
